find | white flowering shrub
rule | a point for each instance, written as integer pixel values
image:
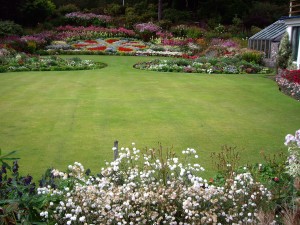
(293, 161)
(151, 188)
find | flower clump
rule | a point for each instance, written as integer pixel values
(147, 27)
(151, 187)
(88, 16)
(293, 161)
(289, 82)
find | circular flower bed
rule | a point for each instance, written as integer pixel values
(109, 45)
(203, 65)
(23, 62)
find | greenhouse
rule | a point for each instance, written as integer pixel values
(268, 39)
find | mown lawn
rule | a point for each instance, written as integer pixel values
(56, 118)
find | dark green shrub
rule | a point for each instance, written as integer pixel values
(180, 62)
(36, 11)
(2, 69)
(19, 203)
(164, 24)
(176, 16)
(114, 9)
(179, 31)
(10, 28)
(131, 17)
(64, 9)
(253, 56)
(254, 30)
(194, 32)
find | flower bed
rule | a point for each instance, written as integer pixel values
(289, 82)
(203, 65)
(73, 33)
(106, 46)
(155, 187)
(22, 62)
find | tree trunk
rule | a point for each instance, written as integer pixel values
(159, 17)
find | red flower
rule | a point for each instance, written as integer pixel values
(276, 179)
(123, 49)
(99, 48)
(110, 41)
(91, 42)
(80, 45)
(291, 75)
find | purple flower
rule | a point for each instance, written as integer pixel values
(27, 180)
(229, 44)
(147, 27)
(3, 170)
(88, 16)
(15, 167)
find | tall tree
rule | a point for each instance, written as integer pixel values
(159, 17)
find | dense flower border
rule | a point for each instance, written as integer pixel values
(202, 65)
(289, 82)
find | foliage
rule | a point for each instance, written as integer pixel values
(254, 30)
(179, 30)
(36, 11)
(263, 13)
(114, 9)
(227, 162)
(284, 53)
(19, 202)
(176, 16)
(194, 32)
(69, 8)
(253, 56)
(10, 28)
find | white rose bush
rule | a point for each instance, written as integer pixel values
(151, 188)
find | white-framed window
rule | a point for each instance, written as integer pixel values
(295, 42)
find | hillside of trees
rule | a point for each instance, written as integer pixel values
(203, 12)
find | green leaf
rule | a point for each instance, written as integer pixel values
(5, 156)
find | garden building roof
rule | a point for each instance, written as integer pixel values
(273, 32)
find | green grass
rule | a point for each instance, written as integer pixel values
(56, 118)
